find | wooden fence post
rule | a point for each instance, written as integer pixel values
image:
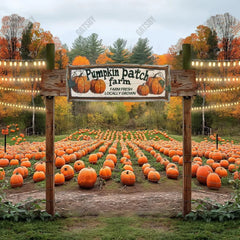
(50, 132)
(187, 141)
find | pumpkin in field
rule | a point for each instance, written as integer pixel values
(128, 178)
(105, 173)
(172, 172)
(128, 167)
(2, 173)
(19, 170)
(40, 166)
(202, 173)
(67, 171)
(109, 163)
(213, 181)
(87, 177)
(93, 158)
(78, 165)
(97, 86)
(82, 85)
(221, 171)
(39, 176)
(59, 162)
(16, 180)
(4, 162)
(112, 157)
(142, 159)
(59, 179)
(236, 175)
(143, 90)
(156, 85)
(194, 169)
(147, 170)
(153, 176)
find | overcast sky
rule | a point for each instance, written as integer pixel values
(168, 20)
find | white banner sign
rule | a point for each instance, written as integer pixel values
(118, 83)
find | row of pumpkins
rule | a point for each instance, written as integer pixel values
(221, 159)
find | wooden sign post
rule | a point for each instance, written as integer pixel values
(118, 82)
(50, 127)
(187, 141)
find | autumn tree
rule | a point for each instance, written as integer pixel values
(61, 58)
(12, 28)
(80, 60)
(226, 27)
(104, 58)
(119, 53)
(40, 38)
(141, 53)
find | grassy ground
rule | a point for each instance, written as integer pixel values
(122, 227)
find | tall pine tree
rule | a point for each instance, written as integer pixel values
(119, 53)
(26, 41)
(141, 53)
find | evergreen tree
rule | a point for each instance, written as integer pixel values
(119, 54)
(26, 41)
(79, 48)
(89, 47)
(212, 42)
(141, 53)
(94, 48)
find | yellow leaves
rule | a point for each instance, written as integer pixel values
(80, 60)
(174, 108)
(129, 105)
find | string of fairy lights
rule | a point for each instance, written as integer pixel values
(217, 79)
(218, 90)
(20, 63)
(20, 79)
(216, 106)
(214, 63)
(20, 90)
(20, 107)
(15, 66)
(219, 65)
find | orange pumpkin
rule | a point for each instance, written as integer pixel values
(105, 173)
(143, 90)
(109, 163)
(16, 180)
(87, 177)
(98, 86)
(222, 172)
(2, 173)
(59, 162)
(172, 172)
(82, 85)
(213, 181)
(156, 85)
(128, 167)
(67, 171)
(154, 176)
(78, 165)
(38, 176)
(4, 162)
(128, 178)
(202, 173)
(59, 179)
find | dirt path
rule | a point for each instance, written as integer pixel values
(84, 202)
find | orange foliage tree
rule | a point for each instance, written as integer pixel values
(61, 59)
(103, 58)
(80, 60)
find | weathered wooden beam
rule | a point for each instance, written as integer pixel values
(50, 133)
(183, 83)
(187, 139)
